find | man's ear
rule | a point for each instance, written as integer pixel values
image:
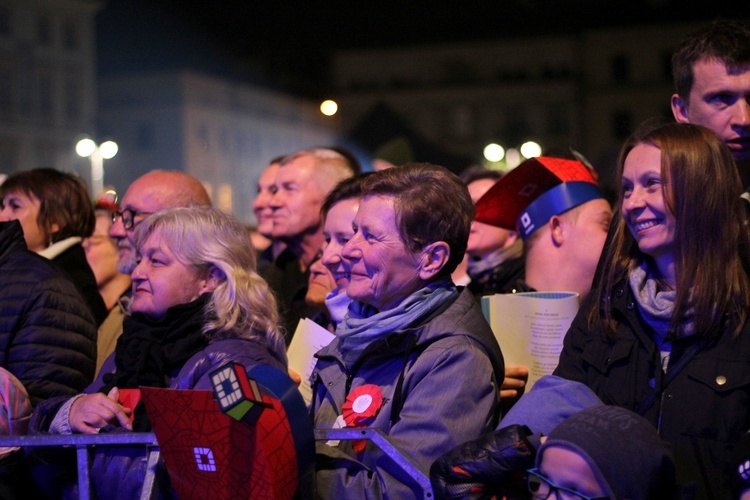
(213, 279)
(433, 259)
(679, 109)
(557, 230)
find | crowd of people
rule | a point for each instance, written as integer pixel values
(649, 399)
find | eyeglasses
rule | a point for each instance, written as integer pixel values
(128, 218)
(541, 488)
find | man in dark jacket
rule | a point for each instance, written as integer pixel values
(303, 180)
(47, 332)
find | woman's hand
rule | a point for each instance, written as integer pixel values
(91, 412)
(515, 379)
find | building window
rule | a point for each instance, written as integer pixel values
(46, 105)
(620, 68)
(72, 99)
(46, 153)
(459, 72)
(4, 21)
(203, 140)
(462, 122)
(666, 66)
(9, 153)
(517, 127)
(145, 136)
(70, 35)
(6, 92)
(44, 30)
(224, 141)
(622, 124)
(557, 119)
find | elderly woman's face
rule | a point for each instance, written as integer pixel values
(338, 231)
(383, 270)
(160, 281)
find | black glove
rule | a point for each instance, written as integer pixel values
(494, 464)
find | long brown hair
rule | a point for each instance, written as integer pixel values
(701, 189)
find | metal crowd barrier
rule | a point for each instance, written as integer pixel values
(82, 442)
(379, 440)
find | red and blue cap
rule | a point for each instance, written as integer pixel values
(527, 197)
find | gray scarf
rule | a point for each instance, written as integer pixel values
(364, 324)
(657, 308)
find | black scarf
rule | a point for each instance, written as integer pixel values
(151, 351)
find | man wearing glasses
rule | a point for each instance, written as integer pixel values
(147, 194)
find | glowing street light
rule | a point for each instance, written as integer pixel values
(86, 148)
(530, 149)
(329, 107)
(494, 152)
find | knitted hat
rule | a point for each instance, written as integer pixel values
(550, 401)
(528, 196)
(622, 448)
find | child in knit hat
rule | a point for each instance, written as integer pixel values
(604, 452)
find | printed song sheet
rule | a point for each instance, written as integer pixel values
(309, 338)
(530, 328)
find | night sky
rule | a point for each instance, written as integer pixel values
(289, 44)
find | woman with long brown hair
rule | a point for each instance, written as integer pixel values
(665, 333)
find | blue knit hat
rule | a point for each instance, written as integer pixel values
(622, 448)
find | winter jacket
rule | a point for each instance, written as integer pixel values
(702, 412)
(289, 284)
(72, 261)
(47, 332)
(439, 383)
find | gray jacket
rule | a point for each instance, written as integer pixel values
(447, 371)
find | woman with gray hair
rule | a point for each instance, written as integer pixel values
(197, 304)
(214, 244)
(413, 358)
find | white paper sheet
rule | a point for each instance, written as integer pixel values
(530, 328)
(309, 338)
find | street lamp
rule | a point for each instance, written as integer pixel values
(329, 107)
(511, 157)
(86, 148)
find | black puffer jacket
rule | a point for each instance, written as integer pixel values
(73, 263)
(702, 412)
(47, 333)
